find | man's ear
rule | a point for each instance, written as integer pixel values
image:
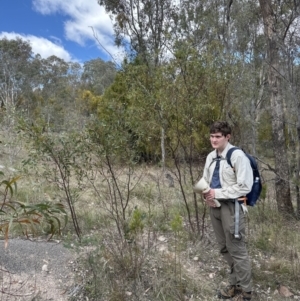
(228, 137)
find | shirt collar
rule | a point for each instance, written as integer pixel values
(224, 152)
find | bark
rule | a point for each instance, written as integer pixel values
(282, 186)
(298, 166)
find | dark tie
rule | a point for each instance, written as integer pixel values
(215, 181)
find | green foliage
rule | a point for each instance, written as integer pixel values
(263, 193)
(15, 69)
(265, 133)
(136, 224)
(89, 102)
(29, 217)
(97, 75)
(144, 102)
(172, 104)
(176, 223)
(263, 241)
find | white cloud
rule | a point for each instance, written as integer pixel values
(40, 45)
(84, 19)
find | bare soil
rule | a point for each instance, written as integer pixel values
(36, 270)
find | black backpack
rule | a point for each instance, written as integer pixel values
(254, 194)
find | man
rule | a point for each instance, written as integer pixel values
(227, 185)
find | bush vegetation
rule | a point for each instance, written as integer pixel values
(136, 241)
(118, 148)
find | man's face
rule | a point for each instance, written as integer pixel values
(219, 141)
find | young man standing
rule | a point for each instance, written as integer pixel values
(227, 185)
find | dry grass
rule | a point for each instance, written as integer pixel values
(159, 264)
(149, 260)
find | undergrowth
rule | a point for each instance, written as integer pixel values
(168, 265)
(145, 250)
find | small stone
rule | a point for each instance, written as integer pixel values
(162, 238)
(45, 268)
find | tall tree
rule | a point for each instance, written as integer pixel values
(98, 75)
(59, 80)
(15, 60)
(145, 22)
(278, 17)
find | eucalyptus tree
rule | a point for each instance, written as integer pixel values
(193, 99)
(59, 83)
(261, 75)
(245, 101)
(144, 22)
(295, 80)
(97, 75)
(280, 19)
(54, 72)
(15, 67)
(186, 97)
(167, 88)
(229, 31)
(289, 48)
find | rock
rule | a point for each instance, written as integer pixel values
(162, 238)
(284, 291)
(45, 268)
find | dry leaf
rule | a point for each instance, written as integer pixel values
(284, 291)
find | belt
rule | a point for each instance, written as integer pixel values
(241, 200)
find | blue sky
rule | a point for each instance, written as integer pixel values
(60, 27)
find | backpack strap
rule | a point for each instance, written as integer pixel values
(216, 159)
(228, 155)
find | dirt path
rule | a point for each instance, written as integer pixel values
(35, 270)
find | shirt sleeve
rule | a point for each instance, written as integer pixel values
(243, 180)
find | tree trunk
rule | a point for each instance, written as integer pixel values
(282, 186)
(163, 151)
(298, 166)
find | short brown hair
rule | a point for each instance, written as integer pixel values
(220, 127)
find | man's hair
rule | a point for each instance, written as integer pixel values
(220, 127)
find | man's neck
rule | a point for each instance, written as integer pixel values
(220, 150)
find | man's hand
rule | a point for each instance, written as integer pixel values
(209, 198)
